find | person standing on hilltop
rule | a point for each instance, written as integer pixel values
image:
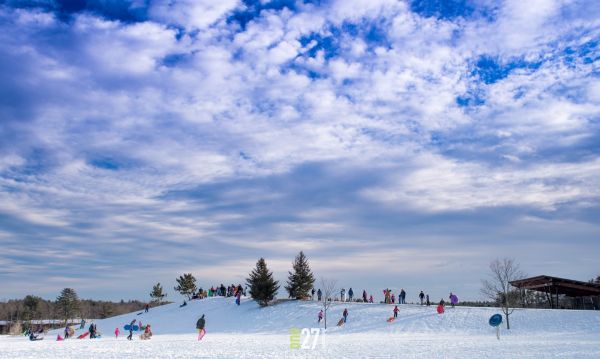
(238, 297)
(402, 296)
(350, 294)
(421, 297)
(200, 324)
(365, 296)
(319, 294)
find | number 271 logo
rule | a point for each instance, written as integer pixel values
(307, 338)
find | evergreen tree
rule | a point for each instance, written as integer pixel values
(301, 281)
(67, 303)
(31, 307)
(186, 285)
(157, 294)
(262, 285)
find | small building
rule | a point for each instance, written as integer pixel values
(585, 295)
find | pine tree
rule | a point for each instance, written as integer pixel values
(31, 307)
(157, 294)
(67, 303)
(262, 285)
(301, 281)
(186, 285)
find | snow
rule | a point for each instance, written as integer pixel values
(249, 331)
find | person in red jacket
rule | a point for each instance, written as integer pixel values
(396, 310)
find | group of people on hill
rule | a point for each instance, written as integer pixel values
(230, 291)
(220, 291)
(388, 295)
(147, 334)
(344, 316)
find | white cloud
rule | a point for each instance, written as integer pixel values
(192, 14)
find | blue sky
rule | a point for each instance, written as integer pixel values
(398, 143)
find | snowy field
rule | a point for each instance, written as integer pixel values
(251, 332)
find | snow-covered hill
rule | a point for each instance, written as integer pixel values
(248, 331)
(223, 316)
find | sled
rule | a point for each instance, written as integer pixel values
(440, 309)
(391, 319)
(128, 327)
(341, 322)
(140, 313)
(59, 338)
(83, 335)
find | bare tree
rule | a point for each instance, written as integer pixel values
(328, 290)
(498, 287)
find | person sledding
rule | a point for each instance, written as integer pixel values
(33, 337)
(147, 333)
(440, 307)
(200, 325)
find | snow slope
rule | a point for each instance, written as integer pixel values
(223, 316)
(248, 331)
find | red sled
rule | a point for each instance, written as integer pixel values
(83, 335)
(391, 319)
(440, 309)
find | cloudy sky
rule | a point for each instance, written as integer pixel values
(398, 143)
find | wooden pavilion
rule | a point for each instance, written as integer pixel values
(581, 292)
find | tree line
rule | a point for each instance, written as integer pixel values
(66, 306)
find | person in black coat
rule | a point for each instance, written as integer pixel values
(200, 324)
